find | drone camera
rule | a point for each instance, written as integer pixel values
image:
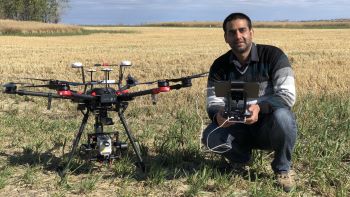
(104, 143)
(103, 147)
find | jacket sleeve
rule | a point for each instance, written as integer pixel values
(214, 104)
(284, 94)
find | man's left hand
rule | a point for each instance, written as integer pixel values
(253, 118)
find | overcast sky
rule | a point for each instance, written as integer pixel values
(134, 12)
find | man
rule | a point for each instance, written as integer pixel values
(271, 125)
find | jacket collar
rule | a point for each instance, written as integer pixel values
(253, 56)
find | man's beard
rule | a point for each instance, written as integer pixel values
(242, 49)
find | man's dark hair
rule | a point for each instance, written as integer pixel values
(235, 16)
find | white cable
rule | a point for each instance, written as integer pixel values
(224, 145)
(207, 140)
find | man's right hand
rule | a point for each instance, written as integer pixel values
(221, 120)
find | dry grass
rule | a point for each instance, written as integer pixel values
(319, 56)
(32, 27)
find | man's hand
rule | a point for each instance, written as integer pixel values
(253, 118)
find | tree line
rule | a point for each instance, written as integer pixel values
(48, 11)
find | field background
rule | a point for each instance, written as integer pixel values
(32, 139)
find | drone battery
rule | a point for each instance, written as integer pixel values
(104, 143)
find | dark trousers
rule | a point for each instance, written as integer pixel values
(276, 131)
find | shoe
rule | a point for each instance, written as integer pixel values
(285, 180)
(239, 168)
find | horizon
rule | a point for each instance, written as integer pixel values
(138, 12)
(219, 22)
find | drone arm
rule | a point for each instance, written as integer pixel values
(82, 97)
(130, 96)
(70, 95)
(40, 94)
(177, 86)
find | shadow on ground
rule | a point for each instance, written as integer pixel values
(168, 165)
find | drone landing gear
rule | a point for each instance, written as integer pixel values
(135, 145)
(103, 147)
(75, 143)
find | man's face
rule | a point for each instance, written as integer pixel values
(238, 36)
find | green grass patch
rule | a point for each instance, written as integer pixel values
(5, 173)
(174, 162)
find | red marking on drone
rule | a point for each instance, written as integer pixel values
(105, 64)
(93, 93)
(65, 93)
(122, 92)
(161, 89)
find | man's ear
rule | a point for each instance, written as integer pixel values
(225, 37)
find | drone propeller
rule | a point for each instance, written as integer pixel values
(175, 80)
(15, 83)
(36, 79)
(53, 81)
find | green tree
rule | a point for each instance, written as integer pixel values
(48, 11)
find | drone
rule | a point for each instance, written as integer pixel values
(100, 97)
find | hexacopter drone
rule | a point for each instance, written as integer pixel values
(99, 98)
